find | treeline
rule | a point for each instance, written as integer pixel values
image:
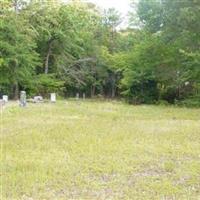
(49, 46)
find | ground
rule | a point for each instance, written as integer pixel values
(99, 150)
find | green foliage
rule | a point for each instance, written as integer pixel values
(193, 101)
(167, 54)
(17, 52)
(48, 83)
(77, 47)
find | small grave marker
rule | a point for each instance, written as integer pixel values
(38, 99)
(83, 96)
(22, 99)
(53, 97)
(5, 98)
(77, 96)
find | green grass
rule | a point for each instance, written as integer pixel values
(100, 150)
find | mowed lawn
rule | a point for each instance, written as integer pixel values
(99, 150)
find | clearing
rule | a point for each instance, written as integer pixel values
(99, 150)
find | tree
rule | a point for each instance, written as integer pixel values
(17, 52)
(166, 49)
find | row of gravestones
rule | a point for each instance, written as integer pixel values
(78, 96)
(23, 100)
(37, 99)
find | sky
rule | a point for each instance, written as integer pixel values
(121, 5)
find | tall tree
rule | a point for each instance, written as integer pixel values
(17, 51)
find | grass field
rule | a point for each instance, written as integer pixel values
(99, 150)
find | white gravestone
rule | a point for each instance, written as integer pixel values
(38, 99)
(53, 97)
(5, 98)
(83, 96)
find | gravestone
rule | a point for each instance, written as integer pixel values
(53, 97)
(83, 96)
(5, 98)
(38, 99)
(77, 96)
(22, 101)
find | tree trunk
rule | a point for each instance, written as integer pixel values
(16, 90)
(113, 86)
(93, 89)
(113, 91)
(46, 67)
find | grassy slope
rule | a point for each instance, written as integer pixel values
(100, 150)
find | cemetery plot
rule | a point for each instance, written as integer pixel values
(99, 150)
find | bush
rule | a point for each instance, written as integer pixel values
(193, 101)
(162, 102)
(46, 84)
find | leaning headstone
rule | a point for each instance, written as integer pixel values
(77, 96)
(22, 100)
(53, 97)
(5, 98)
(38, 99)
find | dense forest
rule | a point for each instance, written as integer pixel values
(51, 46)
